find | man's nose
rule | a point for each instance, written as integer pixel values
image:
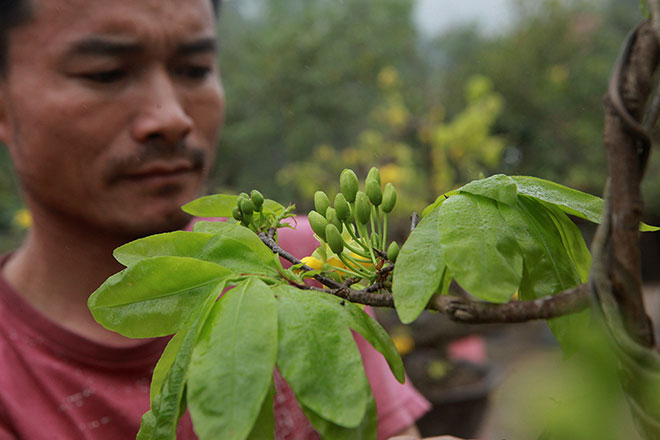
(162, 115)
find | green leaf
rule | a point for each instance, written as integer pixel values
(229, 245)
(359, 321)
(272, 207)
(319, 358)
(572, 240)
(232, 365)
(218, 205)
(419, 269)
(264, 427)
(154, 297)
(498, 187)
(366, 430)
(479, 248)
(438, 201)
(548, 267)
(169, 380)
(571, 201)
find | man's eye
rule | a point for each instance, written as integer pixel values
(105, 77)
(193, 72)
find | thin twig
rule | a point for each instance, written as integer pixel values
(414, 221)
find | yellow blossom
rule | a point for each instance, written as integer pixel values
(22, 219)
(388, 77)
(312, 262)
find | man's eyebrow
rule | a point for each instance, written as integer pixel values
(202, 45)
(103, 46)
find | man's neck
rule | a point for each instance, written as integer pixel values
(57, 268)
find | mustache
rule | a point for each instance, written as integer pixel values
(156, 151)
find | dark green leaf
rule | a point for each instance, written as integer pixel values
(319, 359)
(359, 321)
(479, 248)
(548, 266)
(218, 205)
(169, 380)
(232, 365)
(367, 430)
(264, 427)
(498, 187)
(154, 297)
(419, 269)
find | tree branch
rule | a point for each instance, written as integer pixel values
(627, 146)
(458, 309)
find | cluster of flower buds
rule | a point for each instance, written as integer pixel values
(246, 206)
(355, 225)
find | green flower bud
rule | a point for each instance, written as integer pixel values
(389, 198)
(257, 198)
(247, 207)
(362, 208)
(331, 217)
(374, 192)
(236, 214)
(349, 184)
(318, 223)
(393, 251)
(333, 238)
(321, 202)
(342, 207)
(373, 174)
(242, 196)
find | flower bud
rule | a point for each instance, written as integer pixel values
(321, 202)
(349, 184)
(257, 198)
(362, 208)
(333, 238)
(331, 217)
(247, 207)
(374, 192)
(318, 223)
(389, 198)
(373, 174)
(236, 214)
(342, 207)
(393, 251)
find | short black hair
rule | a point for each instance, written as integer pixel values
(14, 13)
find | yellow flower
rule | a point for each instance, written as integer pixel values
(388, 77)
(403, 340)
(22, 219)
(312, 262)
(334, 261)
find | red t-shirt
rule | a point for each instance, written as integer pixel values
(55, 384)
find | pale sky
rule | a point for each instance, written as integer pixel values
(433, 16)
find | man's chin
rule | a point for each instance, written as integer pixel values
(138, 228)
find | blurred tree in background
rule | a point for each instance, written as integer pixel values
(314, 86)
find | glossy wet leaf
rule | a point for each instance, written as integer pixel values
(232, 365)
(499, 187)
(366, 430)
(154, 297)
(419, 269)
(479, 247)
(319, 359)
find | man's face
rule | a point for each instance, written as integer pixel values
(111, 110)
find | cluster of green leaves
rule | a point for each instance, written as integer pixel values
(498, 237)
(236, 315)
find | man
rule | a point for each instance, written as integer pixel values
(111, 113)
